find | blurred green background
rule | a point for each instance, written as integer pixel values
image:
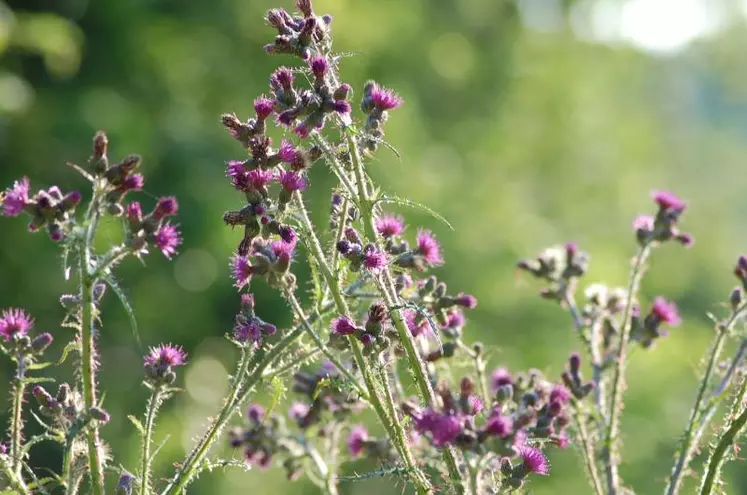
(527, 123)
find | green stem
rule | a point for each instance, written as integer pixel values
(691, 438)
(727, 440)
(587, 448)
(153, 404)
(13, 478)
(394, 428)
(68, 473)
(298, 311)
(392, 299)
(89, 378)
(241, 386)
(611, 440)
(16, 420)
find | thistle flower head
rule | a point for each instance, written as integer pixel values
(429, 248)
(167, 239)
(263, 106)
(319, 66)
(259, 178)
(533, 460)
(166, 207)
(668, 201)
(283, 78)
(666, 312)
(390, 226)
(499, 378)
(356, 440)
(165, 356)
(292, 181)
(343, 326)
(14, 323)
(384, 99)
(287, 152)
(499, 426)
(373, 259)
(444, 428)
(241, 270)
(16, 198)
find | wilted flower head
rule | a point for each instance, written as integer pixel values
(14, 323)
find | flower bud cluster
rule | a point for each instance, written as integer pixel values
(561, 267)
(66, 408)
(248, 328)
(270, 260)
(160, 362)
(49, 209)
(663, 226)
(647, 330)
(15, 325)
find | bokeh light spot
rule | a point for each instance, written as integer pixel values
(452, 57)
(195, 270)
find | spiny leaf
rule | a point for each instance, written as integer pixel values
(136, 422)
(415, 205)
(277, 385)
(127, 307)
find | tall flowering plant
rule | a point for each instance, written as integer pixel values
(379, 333)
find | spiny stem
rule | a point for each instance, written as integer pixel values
(13, 478)
(479, 364)
(89, 379)
(392, 299)
(691, 437)
(611, 440)
(16, 419)
(727, 440)
(153, 404)
(241, 386)
(299, 312)
(393, 427)
(587, 449)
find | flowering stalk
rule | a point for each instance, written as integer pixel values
(14, 479)
(392, 425)
(392, 300)
(16, 419)
(587, 449)
(611, 440)
(693, 432)
(154, 402)
(735, 425)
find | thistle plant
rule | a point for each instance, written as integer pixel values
(378, 330)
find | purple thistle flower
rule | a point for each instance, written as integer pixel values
(499, 378)
(416, 329)
(287, 152)
(342, 106)
(319, 66)
(668, 201)
(343, 326)
(444, 428)
(390, 226)
(165, 355)
(283, 78)
(287, 234)
(167, 239)
(384, 99)
(373, 259)
(259, 178)
(16, 198)
(14, 323)
(560, 393)
(357, 439)
(263, 106)
(235, 168)
(298, 411)
(241, 270)
(255, 413)
(429, 248)
(280, 248)
(454, 319)
(133, 182)
(292, 181)
(643, 222)
(247, 330)
(302, 130)
(499, 426)
(134, 212)
(466, 301)
(533, 460)
(366, 339)
(166, 207)
(665, 312)
(287, 117)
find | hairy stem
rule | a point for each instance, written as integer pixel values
(394, 428)
(242, 385)
(392, 299)
(612, 441)
(68, 473)
(153, 404)
(13, 478)
(691, 437)
(16, 419)
(587, 449)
